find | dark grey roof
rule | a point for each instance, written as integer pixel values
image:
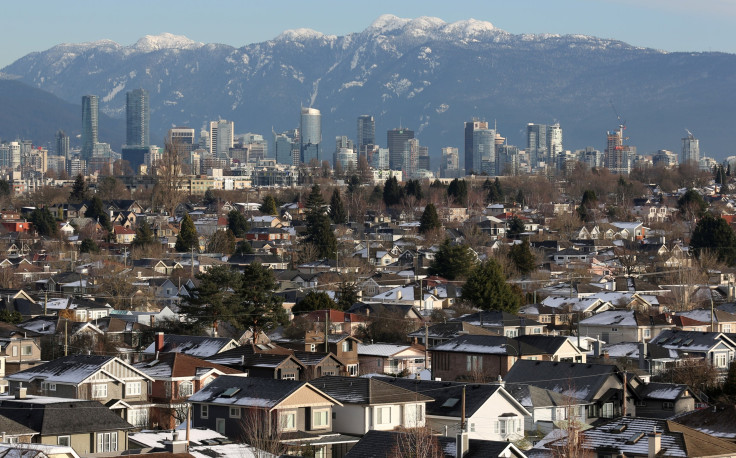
(55, 416)
(531, 396)
(548, 344)
(245, 356)
(496, 319)
(247, 391)
(450, 330)
(200, 346)
(447, 395)
(380, 444)
(579, 380)
(13, 428)
(357, 390)
(691, 341)
(661, 391)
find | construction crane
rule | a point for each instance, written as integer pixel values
(621, 124)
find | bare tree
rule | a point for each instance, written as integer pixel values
(261, 430)
(169, 173)
(416, 443)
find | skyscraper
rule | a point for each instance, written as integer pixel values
(62, 144)
(554, 143)
(450, 162)
(366, 132)
(690, 149)
(536, 143)
(222, 136)
(89, 125)
(470, 127)
(484, 151)
(618, 156)
(137, 118)
(399, 149)
(310, 131)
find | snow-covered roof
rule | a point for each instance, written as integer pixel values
(380, 349)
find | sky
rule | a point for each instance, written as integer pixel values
(671, 25)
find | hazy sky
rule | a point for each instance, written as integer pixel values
(673, 25)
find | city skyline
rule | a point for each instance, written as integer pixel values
(668, 25)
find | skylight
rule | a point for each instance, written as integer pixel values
(451, 402)
(228, 393)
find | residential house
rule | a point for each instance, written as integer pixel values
(491, 412)
(503, 323)
(580, 306)
(297, 410)
(615, 326)
(19, 349)
(89, 427)
(262, 360)
(340, 322)
(600, 386)
(713, 347)
(409, 295)
(344, 346)
(630, 230)
(372, 404)
(175, 376)
(123, 235)
(718, 421)
(199, 346)
(14, 433)
(478, 358)
(554, 348)
(107, 379)
(442, 332)
(319, 364)
(379, 444)
(266, 260)
(646, 437)
(722, 321)
(383, 358)
(664, 400)
(546, 407)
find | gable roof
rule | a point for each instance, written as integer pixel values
(493, 345)
(358, 390)
(451, 329)
(200, 346)
(691, 341)
(180, 365)
(252, 391)
(447, 395)
(53, 416)
(579, 380)
(73, 369)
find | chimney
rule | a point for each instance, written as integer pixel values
(596, 348)
(605, 354)
(176, 444)
(159, 343)
(655, 443)
(643, 355)
(461, 444)
(21, 392)
(500, 381)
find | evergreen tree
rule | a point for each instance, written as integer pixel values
(691, 203)
(713, 234)
(237, 223)
(79, 190)
(314, 300)
(209, 197)
(497, 185)
(215, 298)
(392, 192)
(261, 308)
(729, 386)
(143, 235)
(487, 289)
(453, 261)
(269, 207)
(4, 188)
(221, 242)
(353, 184)
(319, 232)
(520, 198)
(376, 195)
(11, 316)
(338, 214)
(414, 188)
(44, 222)
(429, 220)
(516, 227)
(187, 237)
(458, 190)
(588, 202)
(347, 295)
(88, 246)
(97, 212)
(522, 257)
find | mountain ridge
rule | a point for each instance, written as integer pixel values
(428, 74)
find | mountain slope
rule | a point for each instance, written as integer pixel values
(424, 73)
(30, 113)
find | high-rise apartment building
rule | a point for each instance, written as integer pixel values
(283, 147)
(450, 162)
(618, 157)
(366, 132)
(399, 148)
(137, 117)
(536, 143)
(222, 136)
(310, 131)
(554, 143)
(484, 151)
(690, 149)
(89, 125)
(470, 127)
(62, 144)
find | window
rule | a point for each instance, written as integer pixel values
(288, 421)
(234, 412)
(204, 411)
(220, 426)
(726, 328)
(614, 329)
(472, 427)
(312, 347)
(383, 415)
(99, 390)
(607, 411)
(186, 389)
(346, 346)
(640, 403)
(138, 417)
(65, 441)
(15, 350)
(420, 412)
(289, 376)
(48, 386)
(107, 442)
(474, 363)
(26, 350)
(352, 370)
(647, 333)
(320, 418)
(666, 405)
(720, 359)
(328, 372)
(133, 388)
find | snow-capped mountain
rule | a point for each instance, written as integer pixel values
(428, 74)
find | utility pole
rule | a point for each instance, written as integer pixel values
(327, 327)
(462, 414)
(426, 345)
(623, 409)
(66, 338)
(192, 260)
